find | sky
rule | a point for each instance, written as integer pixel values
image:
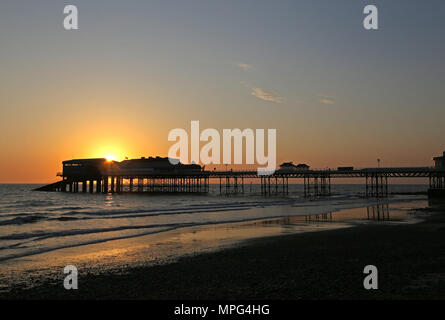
(134, 70)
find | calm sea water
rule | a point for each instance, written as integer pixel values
(37, 222)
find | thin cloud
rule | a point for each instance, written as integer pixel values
(267, 95)
(245, 66)
(326, 99)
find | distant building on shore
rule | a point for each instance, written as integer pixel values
(439, 162)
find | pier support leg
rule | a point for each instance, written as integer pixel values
(242, 184)
(376, 185)
(105, 187)
(98, 186)
(276, 185)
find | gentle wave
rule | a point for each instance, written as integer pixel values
(29, 204)
(23, 218)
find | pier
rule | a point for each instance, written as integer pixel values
(318, 182)
(158, 175)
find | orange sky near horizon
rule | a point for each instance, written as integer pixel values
(41, 157)
(124, 123)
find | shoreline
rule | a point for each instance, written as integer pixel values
(303, 258)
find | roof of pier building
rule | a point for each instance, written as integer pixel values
(92, 161)
(287, 165)
(155, 163)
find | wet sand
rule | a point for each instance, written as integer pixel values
(312, 265)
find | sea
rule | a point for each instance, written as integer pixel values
(33, 222)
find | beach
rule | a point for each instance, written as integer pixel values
(321, 257)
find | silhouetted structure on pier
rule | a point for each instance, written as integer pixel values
(437, 181)
(141, 175)
(439, 162)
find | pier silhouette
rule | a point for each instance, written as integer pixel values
(159, 175)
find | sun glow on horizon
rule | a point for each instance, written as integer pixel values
(110, 157)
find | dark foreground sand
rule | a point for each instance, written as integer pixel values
(319, 265)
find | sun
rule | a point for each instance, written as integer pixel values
(110, 157)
